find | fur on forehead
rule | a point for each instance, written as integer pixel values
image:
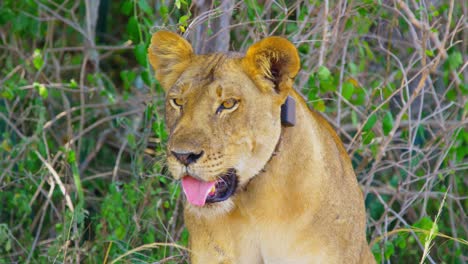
(271, 63)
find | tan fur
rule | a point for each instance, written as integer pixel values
(302, 205)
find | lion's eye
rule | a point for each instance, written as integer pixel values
(229, 104)
(177, 102)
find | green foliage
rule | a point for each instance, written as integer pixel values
(133, 209)
(82, 132)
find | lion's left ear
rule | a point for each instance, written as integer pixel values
(274, 59)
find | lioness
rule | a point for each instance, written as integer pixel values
(257, 191)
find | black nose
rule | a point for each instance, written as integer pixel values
(187, 158)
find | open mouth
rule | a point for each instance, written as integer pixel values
(200, 192)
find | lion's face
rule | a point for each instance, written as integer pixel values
(227, 124)
(223, 114)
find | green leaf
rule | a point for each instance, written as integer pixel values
(127, 77)
(353, 68)
(400, 240)
(347, 90)
(364, 25)
(8, 93)
(354, 118)
(73, 84)
(455, 60)
(328, 85)
(387, 122)
(126, 7)
(131, 140)
(367, 137)
(304, 49)
(183, 20)
(132, 29)
(71, 156)
(374, 205)
(6, 145)
(120, 232)
(6, 15)
(370, 123)
(389, 249)
(37, 59)
(376, 253)
(425, 223)
(369, 54)
(5, 239)
(319, 105)
(140, 53)
(359, 97)
(164, 11)
(177, 4)
(41, 89)
(145, 7)
(145, 75)
(8, 245)
(324, 73)
(430, 53)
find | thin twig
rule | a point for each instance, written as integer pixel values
(58, 181)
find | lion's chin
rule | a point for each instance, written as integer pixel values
(211, 210)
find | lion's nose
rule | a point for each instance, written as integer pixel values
(187, 158)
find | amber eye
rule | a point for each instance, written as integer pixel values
(177, 102)
(229, 104)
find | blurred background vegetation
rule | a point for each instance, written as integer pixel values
(82, 134)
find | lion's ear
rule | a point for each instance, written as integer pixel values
(169, 54)
(274, 59)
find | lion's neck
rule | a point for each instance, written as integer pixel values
(295, 159)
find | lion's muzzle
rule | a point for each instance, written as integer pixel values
(187, 158)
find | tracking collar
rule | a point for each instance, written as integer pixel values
(288, 119)
(288, 112)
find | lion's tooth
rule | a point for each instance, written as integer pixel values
(213, 190)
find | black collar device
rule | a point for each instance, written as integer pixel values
(288, 112)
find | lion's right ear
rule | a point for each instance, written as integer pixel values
(169, 54)
(274, 59)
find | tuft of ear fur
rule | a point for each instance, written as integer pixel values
(169, 54)
(274, 59)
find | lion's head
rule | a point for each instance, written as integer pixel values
(222, 112)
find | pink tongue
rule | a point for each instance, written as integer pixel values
(196, 190)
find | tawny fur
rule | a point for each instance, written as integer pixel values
(301, 205)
